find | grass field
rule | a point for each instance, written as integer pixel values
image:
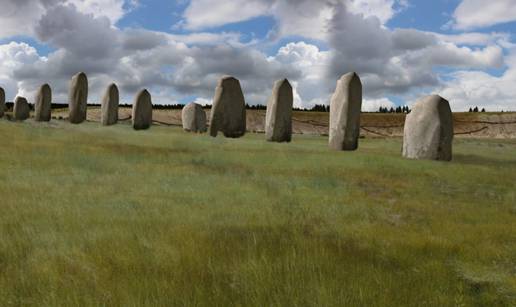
(93, 215)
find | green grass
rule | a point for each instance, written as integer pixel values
(93, 215)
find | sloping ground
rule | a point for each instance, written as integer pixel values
(477, 125)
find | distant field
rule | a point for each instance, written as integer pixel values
(501, 125)
(93, 215)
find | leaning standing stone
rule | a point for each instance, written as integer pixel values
(428, 131)
(43, 104)
(78, 98)
(142, 111)
(2, 102)
(193, 118)
(278, 120)
(228, 110)
(109, 107)
(345, 107)
(21, 109)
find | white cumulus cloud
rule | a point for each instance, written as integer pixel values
(472, 14)
(404, 63)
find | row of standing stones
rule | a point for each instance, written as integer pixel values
(428, 130)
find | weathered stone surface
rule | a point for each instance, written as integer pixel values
(109, 109)
(228, 109)
(142, 111)
(78, 99)
(345, 107)
(43, 104)
(278, 120)
(428, 131)
(21, 109)
(2, 102)
(193, 118)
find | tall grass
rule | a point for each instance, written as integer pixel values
(94, 215)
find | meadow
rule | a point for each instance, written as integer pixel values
(108, 216)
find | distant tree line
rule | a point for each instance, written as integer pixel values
(319, 108)
(399, 109)
(256, 107)
(316, 108)
(475, 109)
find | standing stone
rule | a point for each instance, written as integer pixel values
(193, 118)
(43, 104)
(78, 98)
(109, 107)
(21, 109)
(428, 131)
(228, 110)
(278, 120)
(142, 111)
(2, 102)
(345, 107)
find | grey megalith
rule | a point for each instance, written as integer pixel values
(43, 104)
(345, 107)
(228, 109)
(278, 119)
(109, 108)
(142, 110)
(193, 118)
(21, 110)
(428, 131)
(78, 98)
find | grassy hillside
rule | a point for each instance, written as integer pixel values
(91, 215)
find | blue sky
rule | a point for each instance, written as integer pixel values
(402, 49)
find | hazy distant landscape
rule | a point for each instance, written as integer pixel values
(95, 215)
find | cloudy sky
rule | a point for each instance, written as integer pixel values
(463, 50)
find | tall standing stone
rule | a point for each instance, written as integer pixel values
(142, 111)
(78, 98)
(193, 118)
(345, 107)
(228, 109)
(278, 120)
(21, 108)
(2, 102)
(43, 104)
(109, 107)
(428, 131)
